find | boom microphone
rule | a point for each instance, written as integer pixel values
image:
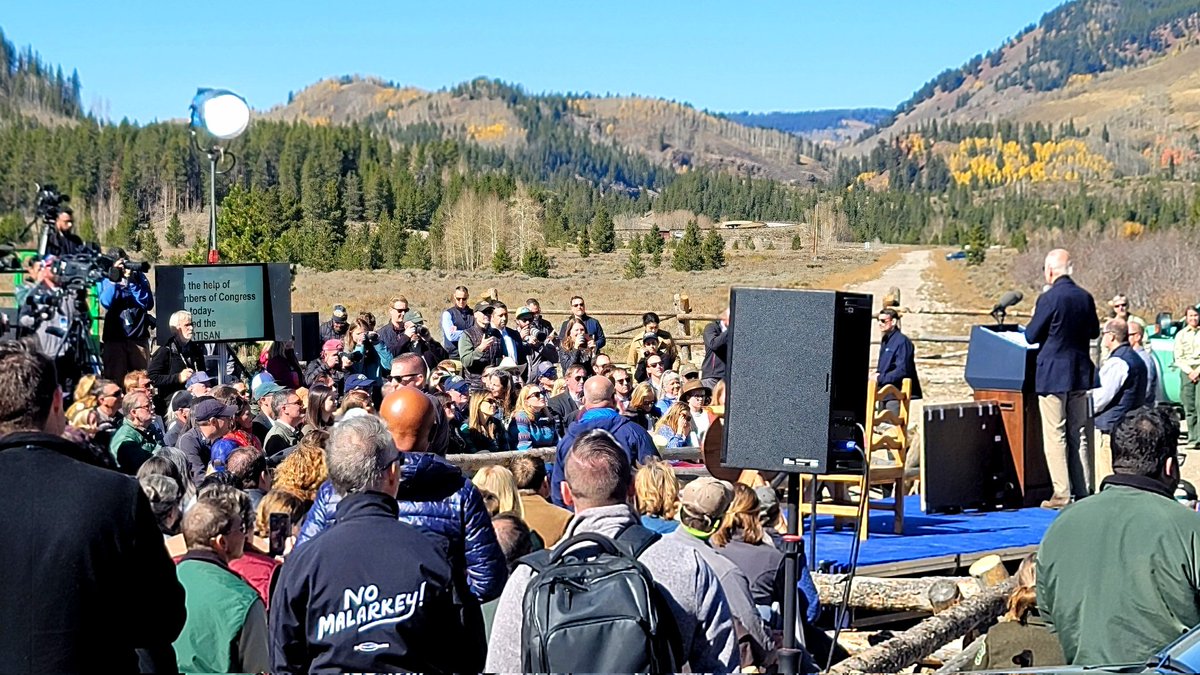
(1008, 300)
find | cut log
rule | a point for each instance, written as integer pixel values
(943, 594)
(989, 570)
(963, 660)
(895, 595)
(926, 637)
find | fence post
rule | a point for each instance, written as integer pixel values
(683, 307)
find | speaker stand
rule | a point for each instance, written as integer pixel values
(789, 655)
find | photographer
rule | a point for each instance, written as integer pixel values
(539, 348)
(479, 345)
(177, 359)
(58, 239)
(376, 362)
(126, 334)
(329, 368)
(420, 342)
(46, 311)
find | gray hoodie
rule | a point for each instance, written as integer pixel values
(688, 585)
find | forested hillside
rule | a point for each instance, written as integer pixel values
(32, 88)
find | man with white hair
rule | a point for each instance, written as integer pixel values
(1064, 323)
(372, 593)
(177, 359)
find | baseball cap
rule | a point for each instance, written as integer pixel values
(206, 408)
(768, 501)
(646, 337)
(358, 381)
(182, 400)
(339, 314)
(689, 372)
(546, 369)
(706, 499)
(201, 378)
(414, 316)
(524, 314)
(266, 389)
(457, 384)
(484, 306)
(332, 346)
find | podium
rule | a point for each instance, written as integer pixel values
(1001, 367)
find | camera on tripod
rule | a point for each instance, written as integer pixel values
(49, 203)
(84, 269)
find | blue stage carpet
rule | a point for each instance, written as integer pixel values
(929, 535)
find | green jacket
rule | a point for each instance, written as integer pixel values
(131, 447)
(1119, 573)
(226, 629)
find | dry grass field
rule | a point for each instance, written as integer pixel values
(599, 278)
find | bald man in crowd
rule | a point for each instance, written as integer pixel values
(1064, 323)
(435, 497)
(599, 411)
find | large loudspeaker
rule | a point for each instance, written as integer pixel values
(797, 377)
(306, 328)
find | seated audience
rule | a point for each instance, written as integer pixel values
(531, 425)
(656, 492)
(672, 384)
(482, 431)
(499, 481)
(675, 429)
(533, 485)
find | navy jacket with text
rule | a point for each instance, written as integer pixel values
(373, 594)
(1064, 323)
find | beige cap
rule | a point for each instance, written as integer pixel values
(706, 499)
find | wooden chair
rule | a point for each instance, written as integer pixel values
(886, 448)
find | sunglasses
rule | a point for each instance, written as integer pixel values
(621, 381)
(404, 379)
(1121, 305)
(655, 364)
(577, 304)
(537, 394)
(400, 309)
(579, 378)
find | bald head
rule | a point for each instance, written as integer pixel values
(1058, 263)
(409, 417)
(598, 392)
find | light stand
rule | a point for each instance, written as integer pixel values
(224, 116)
(789, 655)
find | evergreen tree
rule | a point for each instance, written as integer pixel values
(416, 253)
(797, 242)
(148, 244)
(174, 233)
(352, 197)
(536, 263)
(584, 242)
(656, 258)
(713, 251)
(635, 268)
(689, 254)
(603, 233)
(976, 245)
(501, 260)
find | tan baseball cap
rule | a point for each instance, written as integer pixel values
(707, 499)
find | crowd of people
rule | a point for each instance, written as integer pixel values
(304, 517)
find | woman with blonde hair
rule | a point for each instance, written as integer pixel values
(657, 491)
(303, 471)
(483, 432)
(499, 481)
(85, 399)
(641, 408)
(376, 362)
(1021, 637)
(531, 426)
(675, 428)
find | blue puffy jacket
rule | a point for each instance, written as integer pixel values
(632, 437)
(436, 498)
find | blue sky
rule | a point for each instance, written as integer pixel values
(144, 60)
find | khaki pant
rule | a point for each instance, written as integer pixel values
(1066, 436)
(1103, 457)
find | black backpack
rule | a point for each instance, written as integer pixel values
(599, 613)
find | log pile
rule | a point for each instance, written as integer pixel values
(889, 595)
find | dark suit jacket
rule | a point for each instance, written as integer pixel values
(1064, 323)
(897, 360)
(563, 406)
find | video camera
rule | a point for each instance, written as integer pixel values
(84, 269)
(49, 203)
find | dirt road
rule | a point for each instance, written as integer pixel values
(916, 278)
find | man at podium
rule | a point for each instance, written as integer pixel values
(1064, 323)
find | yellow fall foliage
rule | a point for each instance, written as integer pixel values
(992, 162)
(490, 132)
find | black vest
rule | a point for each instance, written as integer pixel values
(1132, 393)
(463, 319)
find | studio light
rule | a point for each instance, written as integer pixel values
(217, 115)
(220, 112)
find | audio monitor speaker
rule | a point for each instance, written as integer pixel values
(796, 378)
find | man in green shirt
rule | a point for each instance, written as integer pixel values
(1119, 572)
(1187, 360)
